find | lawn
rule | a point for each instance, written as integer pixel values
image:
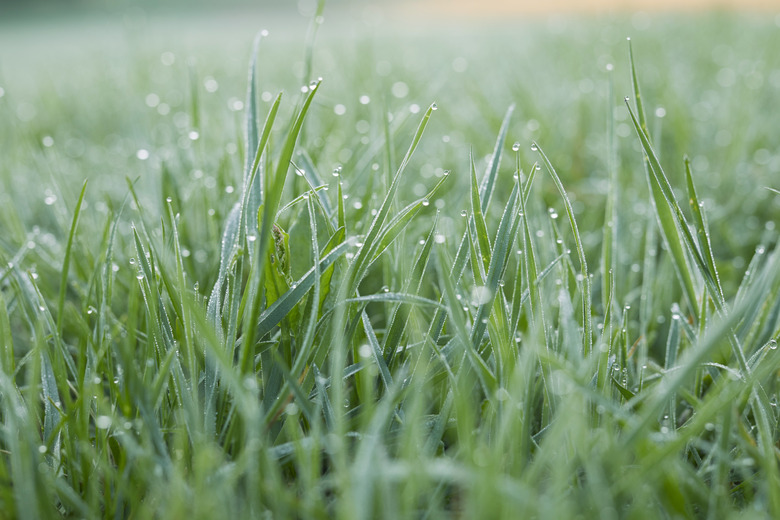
(400, 269)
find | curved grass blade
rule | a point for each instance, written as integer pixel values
(399, 222)
(363, 256)
(704, 233)
(660, 192)
(483, 372)
(587, 338)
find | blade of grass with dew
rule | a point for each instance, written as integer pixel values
(664, 214)
(399, 317)
(484, 374)
(683, 234)
(315, 179)
(6, 340)
(398, 223)
(304, 354)
(66, 260)
(498, 256)
(489, 179)
(376, 350)
(488, 183)
(483, 240)
(362, 257)
(251, 135)
(690, 361)
(587, 334)
(273, 186)
(703, 231)
(252, 196)
(609, 239)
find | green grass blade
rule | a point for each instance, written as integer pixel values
(704, 234)
(489, 292)
(661, 191)
(587, 338)
(250, 120)
(489, 180)
(483, 240)
(281, 307)
(66, 260)
(6, 339)
(363, 256)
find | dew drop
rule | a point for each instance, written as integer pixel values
(426, 202)
(434, 106)
(534, 148)
(463, 213)
(516, 147)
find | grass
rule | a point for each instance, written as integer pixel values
(351, 301)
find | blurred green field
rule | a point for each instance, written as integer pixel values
(153, 363)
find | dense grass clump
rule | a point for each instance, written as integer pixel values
(349, 301)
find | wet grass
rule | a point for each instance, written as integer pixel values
(434, 277)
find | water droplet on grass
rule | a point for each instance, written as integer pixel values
(516, 147)
(464, 213)
(534, 148)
